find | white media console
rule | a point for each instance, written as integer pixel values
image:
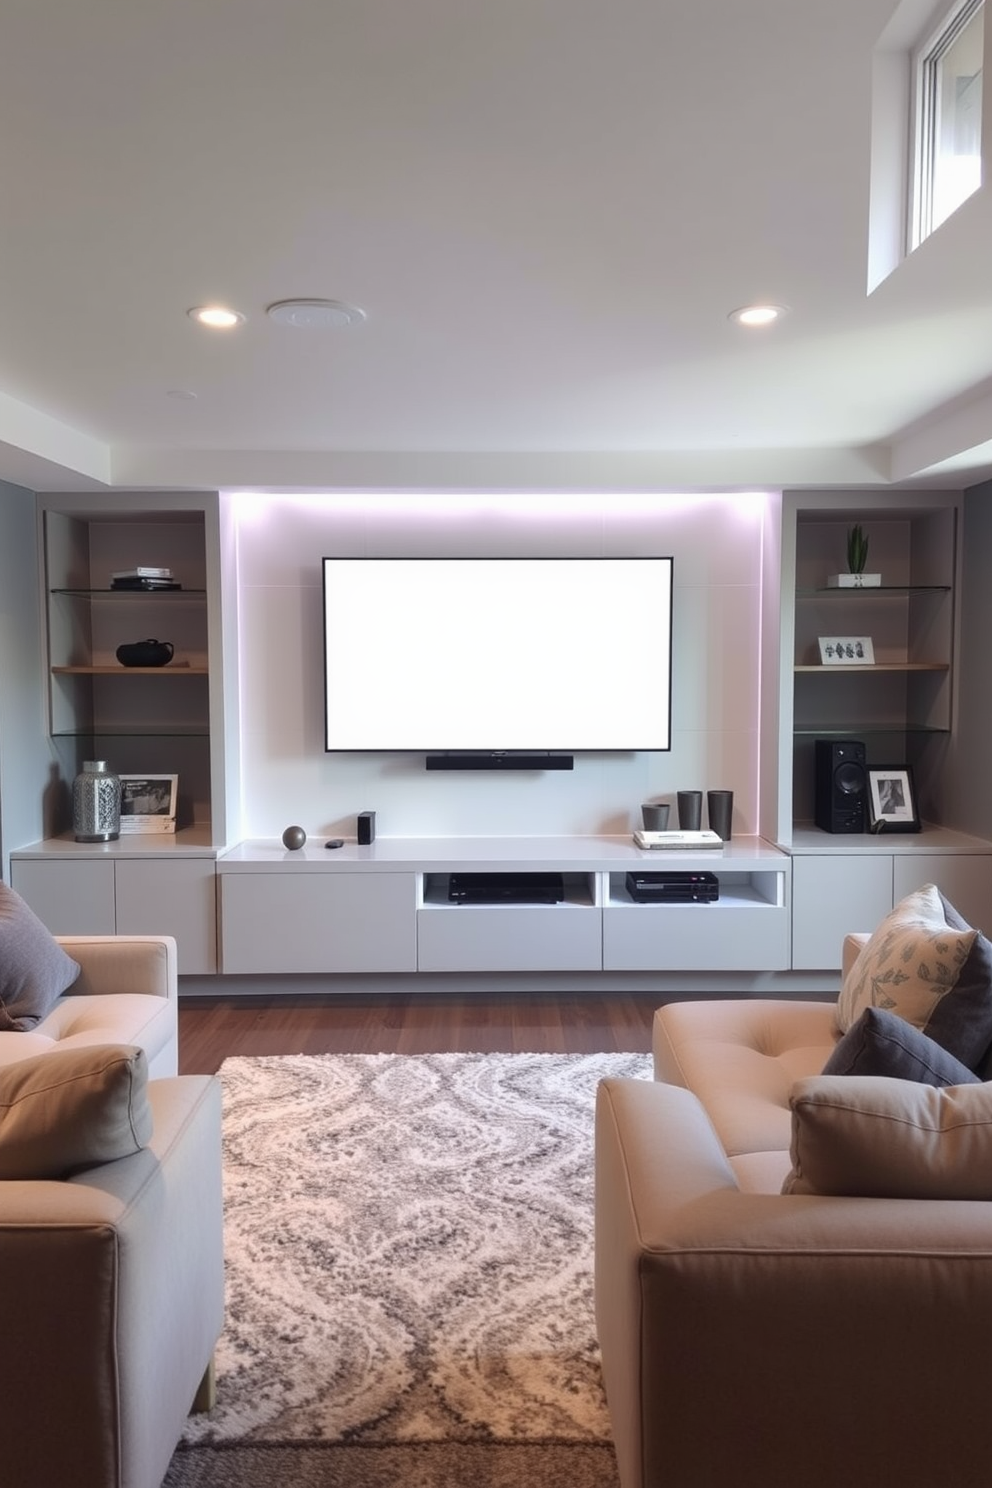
(261, 909)
(385, 908)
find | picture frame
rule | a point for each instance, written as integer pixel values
(892, 799)
(846, 651)
(148, 803)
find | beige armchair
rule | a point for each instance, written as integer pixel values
(112, 1280)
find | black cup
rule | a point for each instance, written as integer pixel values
(690, 810)
(720, 812)
(654, 814)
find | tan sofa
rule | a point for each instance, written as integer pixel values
(755, 1339)
(126, 993)
(111, 1280)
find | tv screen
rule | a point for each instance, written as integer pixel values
(497, 654)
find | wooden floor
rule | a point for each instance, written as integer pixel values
(212, 1028)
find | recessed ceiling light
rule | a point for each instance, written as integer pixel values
(217, 317)
(319, 314)
(757, 315)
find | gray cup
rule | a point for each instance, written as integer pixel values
(690, 810)
(720, 812)
(655, 817)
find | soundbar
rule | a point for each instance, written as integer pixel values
(499, 760)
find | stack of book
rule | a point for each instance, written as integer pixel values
(143, 578)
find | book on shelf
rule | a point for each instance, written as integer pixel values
(141, 573)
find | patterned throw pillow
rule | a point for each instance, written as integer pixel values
(926, 964)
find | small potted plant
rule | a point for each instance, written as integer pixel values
(857, 557)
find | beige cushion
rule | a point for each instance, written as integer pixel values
(870, 1136)
(928, 966)
(73, 1109)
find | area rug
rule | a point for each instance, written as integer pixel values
(409, 1244)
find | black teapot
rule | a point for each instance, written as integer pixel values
(146, 653)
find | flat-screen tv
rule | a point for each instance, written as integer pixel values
(497, 655)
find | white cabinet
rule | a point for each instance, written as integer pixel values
(386, 908)
(318, 922)
(849, 884)
(71, 898)
(746, 929)
(177, 897)
(833, 897)
(113, 895)
(567, 936)
(966, 880)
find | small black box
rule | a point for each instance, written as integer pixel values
(366, 828)
(673, 888)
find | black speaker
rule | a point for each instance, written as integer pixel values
(841, 785)
(366, 827)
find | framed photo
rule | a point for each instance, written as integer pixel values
(846, 651)
(892, 799)
(148, 803)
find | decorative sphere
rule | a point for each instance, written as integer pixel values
(294, 837)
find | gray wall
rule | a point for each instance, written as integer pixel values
(969, 780)
(24, 748)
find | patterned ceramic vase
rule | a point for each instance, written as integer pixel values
(96, 803)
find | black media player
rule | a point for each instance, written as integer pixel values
(673, 888)
(506, 888)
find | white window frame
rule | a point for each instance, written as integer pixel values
(926, 59)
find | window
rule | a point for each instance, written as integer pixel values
(948, 117)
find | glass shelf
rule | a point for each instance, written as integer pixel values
(872, 591)
(854, 731)
(135, 731)
(115, 594)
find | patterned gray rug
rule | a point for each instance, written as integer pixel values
(409, 1275)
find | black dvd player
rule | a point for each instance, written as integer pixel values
(673, 888)
(506, 888)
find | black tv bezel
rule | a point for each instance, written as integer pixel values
(513, 757)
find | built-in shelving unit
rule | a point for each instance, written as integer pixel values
(901, 708)
(899, 704)
(155, 720)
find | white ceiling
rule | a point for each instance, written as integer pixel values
(546, 209)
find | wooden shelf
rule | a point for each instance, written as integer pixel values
(879, 666)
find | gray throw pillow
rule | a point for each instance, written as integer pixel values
(881, 1043)
(72, 1109)
(34, 969)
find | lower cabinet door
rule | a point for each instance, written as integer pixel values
(70, 898)
(171, 898)
(963, 878)
(318, 922)
(833, 896)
